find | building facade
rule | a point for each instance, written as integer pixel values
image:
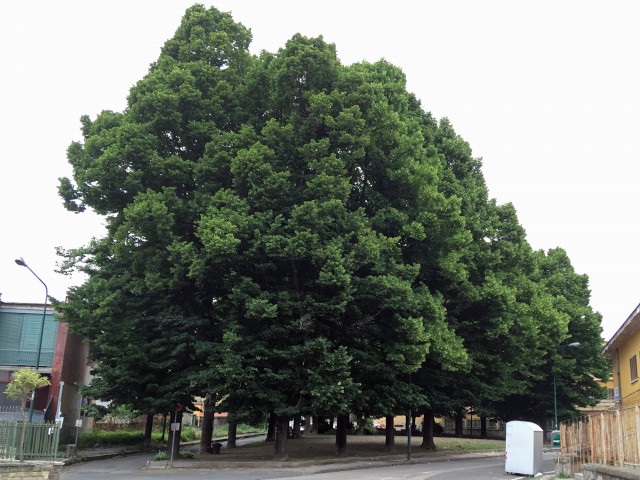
(63, 359)
(624, 350)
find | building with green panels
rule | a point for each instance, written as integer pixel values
(20, 327)
(63, 359)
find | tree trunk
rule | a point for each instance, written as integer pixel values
(231, 435)
(206, 429)
(24, 429)
(164, 426)
(315, 422)
(427, 431)
(173, 442)
(458, 432)
(389, 434)
(148, 429)
(320, 424)
(341, 434)
(309, 425)
(483, 426)
(282, 430)
(295, 433)
(271, 427)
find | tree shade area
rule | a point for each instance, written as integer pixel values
(291, 236)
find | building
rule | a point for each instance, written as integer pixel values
(605, 404)
(63, 359)
(624, 348)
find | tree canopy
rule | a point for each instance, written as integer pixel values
(300, 236)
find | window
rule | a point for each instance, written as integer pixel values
(633, 366)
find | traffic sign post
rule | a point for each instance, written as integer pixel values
(175, 427)
(78, 425)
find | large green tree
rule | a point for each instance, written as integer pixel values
(136, 168)
(488, 306)
(238, 204)
(573, 365)
(296, 236)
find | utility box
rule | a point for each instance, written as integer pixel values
(524, 448)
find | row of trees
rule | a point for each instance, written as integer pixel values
(291, 235)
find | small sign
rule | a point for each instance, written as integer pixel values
(79, 423)
(175, 427)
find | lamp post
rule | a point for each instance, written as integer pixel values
(20, 261)
(555, 398)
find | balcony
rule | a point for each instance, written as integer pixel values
(25, 358)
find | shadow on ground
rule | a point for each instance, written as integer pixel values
(322, 447)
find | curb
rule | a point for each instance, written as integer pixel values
(312, 466)
(324, 466)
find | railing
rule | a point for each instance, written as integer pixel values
(10, 413)
(41, 440)
(13, 413)
(25, 358)
(609, 438)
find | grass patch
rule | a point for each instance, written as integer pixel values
(129, 437)
(241, 430)
(446, 444)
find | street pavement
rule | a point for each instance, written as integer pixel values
(302, 468)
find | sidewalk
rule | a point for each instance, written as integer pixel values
(87, 454)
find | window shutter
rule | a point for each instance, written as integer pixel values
(10, 331)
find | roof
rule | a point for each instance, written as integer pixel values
(24, 305)
(629, 328)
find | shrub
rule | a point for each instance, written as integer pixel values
(161, 456)
(189, 434)
(121, 437)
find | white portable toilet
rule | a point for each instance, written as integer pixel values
(524, 448)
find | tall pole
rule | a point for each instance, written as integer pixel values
(22, 263)
(555, 403)
(555, 397)
(409, 426)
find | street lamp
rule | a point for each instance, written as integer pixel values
(555, 398)
(20, 261)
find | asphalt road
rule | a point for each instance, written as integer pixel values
(132, 468)
(467, 469)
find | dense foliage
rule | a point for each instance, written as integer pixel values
(297, 236)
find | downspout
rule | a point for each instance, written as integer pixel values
(58, 410)
(619, 396)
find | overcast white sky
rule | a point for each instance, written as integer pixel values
(546, 92)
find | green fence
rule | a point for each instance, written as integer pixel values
(41, 440)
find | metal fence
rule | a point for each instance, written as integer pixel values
(609, 438)
(41, 440)
(9, 413)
